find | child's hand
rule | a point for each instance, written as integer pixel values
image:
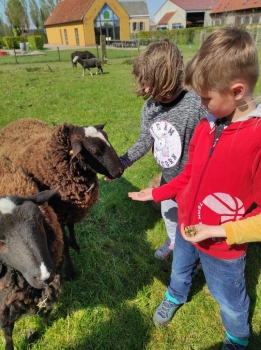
(204, 232)
(143, 195)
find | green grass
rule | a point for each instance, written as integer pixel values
(119, 283)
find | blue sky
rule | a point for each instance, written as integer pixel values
(153, 7)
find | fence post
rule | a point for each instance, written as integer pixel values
(103, 49)
(202, 36)
(58, 53)
(15, 56)
(256, 38)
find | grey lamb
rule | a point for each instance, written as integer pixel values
(89, 63)
(31, 246)
(81, 54)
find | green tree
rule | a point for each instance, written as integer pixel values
(44, 12)
(16, 14)
(5, 30)
(46, 8)
(35, 14)
(24, 16)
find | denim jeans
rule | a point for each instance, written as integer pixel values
(225, 280)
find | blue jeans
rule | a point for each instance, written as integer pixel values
(225, 280)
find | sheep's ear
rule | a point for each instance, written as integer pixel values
(100, 126)
(76, 148)
(43, 196)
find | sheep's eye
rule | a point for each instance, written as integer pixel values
(94, 151)
(2, 246)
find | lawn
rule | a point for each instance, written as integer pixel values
(119, 283)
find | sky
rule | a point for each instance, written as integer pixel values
(153, 7)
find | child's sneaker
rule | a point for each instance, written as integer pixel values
(164, 312)
(164, 251)
(229, 344)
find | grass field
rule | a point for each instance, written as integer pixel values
(119, 283)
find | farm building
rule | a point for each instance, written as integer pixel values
(236, 12)
(175, 14)
(81, 22)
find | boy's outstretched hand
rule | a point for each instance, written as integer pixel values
(143, 195)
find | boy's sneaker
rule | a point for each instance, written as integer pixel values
(164, 251)
(164, 312)
(229, 344)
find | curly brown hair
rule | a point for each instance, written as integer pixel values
(160, 69)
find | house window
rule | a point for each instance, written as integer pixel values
(61, 36)
(134, 26)
(141, 25)
(66, 37)
(77, 36)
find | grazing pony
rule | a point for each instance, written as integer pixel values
(82, 54)
(89, 63)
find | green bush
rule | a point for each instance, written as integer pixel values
(178, 36)
(11, 42)
(38, 32)
(36, 42)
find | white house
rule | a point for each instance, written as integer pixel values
(175, 14)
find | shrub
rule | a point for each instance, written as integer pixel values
(36, 42)
(178, 36)
(11, 42)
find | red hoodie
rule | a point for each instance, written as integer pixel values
(219, 184)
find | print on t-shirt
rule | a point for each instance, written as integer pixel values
(167, 143)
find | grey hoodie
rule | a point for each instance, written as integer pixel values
(167, 129)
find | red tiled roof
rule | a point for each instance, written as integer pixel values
(165, 19)
(235, 5)
(192, 5)
(68, 11)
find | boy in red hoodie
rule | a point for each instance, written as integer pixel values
(220, 181)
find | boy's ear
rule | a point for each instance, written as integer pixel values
(238, 90)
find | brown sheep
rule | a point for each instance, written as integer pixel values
(67, 156)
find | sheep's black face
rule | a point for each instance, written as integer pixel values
(102, 158)
(97, 152)
(23, 242)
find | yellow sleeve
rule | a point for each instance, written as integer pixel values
(243, 231)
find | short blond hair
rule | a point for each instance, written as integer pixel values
(226, 56)
(159, 67)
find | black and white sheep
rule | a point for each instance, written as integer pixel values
(82, 54)
(89, 63)
(67, 156)
(31, 247)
